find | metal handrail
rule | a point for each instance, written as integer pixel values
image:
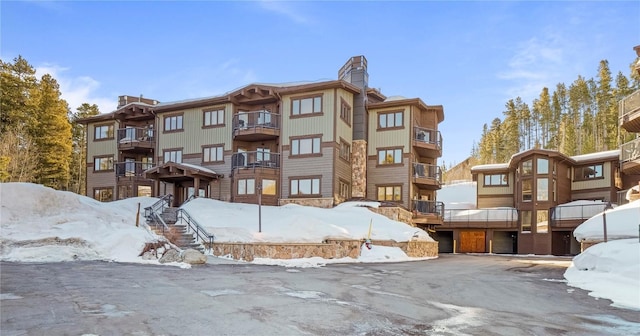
(255, 119)
(428, 135)
(255, 159)
(423, 170)
(575, 212)
(485, 215)
(429, 207)
(130, 169)
(628, 105)
(192, 225)
(630, 150)
(158, 207)
(131, 134)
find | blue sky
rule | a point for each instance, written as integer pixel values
(470, 57)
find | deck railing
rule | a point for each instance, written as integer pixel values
(135, 134)
(575, 212)
(255, 119)
(428, 135)
(429, 207)
(423, 170)
(628, 105)
(255, 159)
(630, 151)
(130, 169)
(506, 215)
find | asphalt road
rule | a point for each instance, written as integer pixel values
(451, 295)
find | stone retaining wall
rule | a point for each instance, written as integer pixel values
(314, 202)
(331, 249)
(396, 214)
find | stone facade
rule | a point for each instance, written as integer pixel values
(359, 169)
(331, 249)
(314, 202)
(396, 214)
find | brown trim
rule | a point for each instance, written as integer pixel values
(344, 103)
(395, 164)
(340, 142)
(191, 156)
(382, 129)
(164, 123)
(176, 149)
(495, 185)
(113, 159)
(304, 137)
(113, 133)
(214, 109)
(203, 147)
(495, 196)
(307, 96)
(306, 177)
(583, 179)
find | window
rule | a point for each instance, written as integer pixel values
(268, 187)
(590, 172)
(345, 150)
(390, 156)
(213, 118)
(147, 162)
(306, 105)
(496, 180)
(103, 132)
(343, 189)
(103, 194)
(173, 123)
(304, 187)
(144, 191)
(104, 163)
(345, 112)
(542, 166)
(527, 167)
(542, 189)
(246, 187)
(542, 221)
(263, 154)
(305, 146)
(527, 190)
(213, 154)
(390, 120)
(525, 225)
(390, 193)
(173, 156)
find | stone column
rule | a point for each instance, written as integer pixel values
(359, 168)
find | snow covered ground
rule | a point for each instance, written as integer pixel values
(39, 224)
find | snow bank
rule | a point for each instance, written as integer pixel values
(291, 223)
(460, 195)
(622, 222)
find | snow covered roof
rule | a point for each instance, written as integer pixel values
(578, 159)
(392, 98)
(491, 166)
(612, 154)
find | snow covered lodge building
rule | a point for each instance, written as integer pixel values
(311, 143)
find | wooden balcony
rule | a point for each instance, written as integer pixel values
(131, 171)
(256, 126)
(630, 157)
(427, 176)
(629, 112)
(427, 142)
(255, 161)
(136, 139)
(427, 212)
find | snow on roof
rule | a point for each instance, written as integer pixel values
(392, 98)
(491, 166)
(597, 156)
(200, 168)
(458, 195)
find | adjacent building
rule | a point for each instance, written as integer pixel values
(629, 120)
(314, 143)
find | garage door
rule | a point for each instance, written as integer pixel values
(472, 242)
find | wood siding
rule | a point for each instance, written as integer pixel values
(309, 166)
(343, 130)
(393, 175)
(494, 201)
(303, 125)
(101, 147)
(392, 137)
(605, 182)
(100, 180)
(498, 190)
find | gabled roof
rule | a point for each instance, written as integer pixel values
(397, 101)
(173, 171)
(574, 160)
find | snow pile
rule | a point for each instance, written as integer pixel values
(460, 195)
(40, 224)
(610, 270)
(239, 222)
(622, 222)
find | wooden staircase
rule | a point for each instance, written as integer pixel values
(178, 234)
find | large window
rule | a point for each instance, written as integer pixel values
(390, 193)
(542, 166)
(173, 156)
(213, 118)
(390, 156)
(103, 132)
(306, 186)
(212, 154)
(305, 146)
(542, 221)
(525, 224)
(527, 190)
(496, 180)
(173, 123)
(390, 120)
(345, 150)
(304, 106)
(590, 172)
(542, 189)
(345, 112)
(103, 163)
(103, 194)
(246, 187)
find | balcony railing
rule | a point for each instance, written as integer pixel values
(135, 134)
(629, 105)
(255, 159)
(427, 171)
(428, 136)
(131, 169)
(630, 151)
(255, 119)
(429, 207)
(505, 215)
(575, 212)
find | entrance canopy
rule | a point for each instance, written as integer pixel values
(173, 172)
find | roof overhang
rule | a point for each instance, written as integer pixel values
(175, 172)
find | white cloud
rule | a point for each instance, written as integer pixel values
(77, 90)
(285, 8)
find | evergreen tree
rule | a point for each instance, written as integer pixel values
(17, 81)
(510, 130)
(79, 151)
